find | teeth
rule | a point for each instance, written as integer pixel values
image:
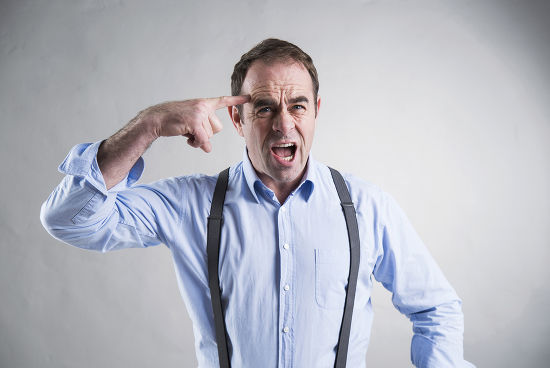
(286, 145)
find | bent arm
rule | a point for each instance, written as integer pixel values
(420, 291)
(96, 207)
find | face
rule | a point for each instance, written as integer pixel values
(278, 123)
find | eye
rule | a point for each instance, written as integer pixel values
(264, 111)
(298, 107)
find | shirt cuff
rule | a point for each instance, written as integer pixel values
(82, 161)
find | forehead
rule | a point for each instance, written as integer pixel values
(279, 77)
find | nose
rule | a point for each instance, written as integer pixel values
(283, 122)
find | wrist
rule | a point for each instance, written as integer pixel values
(148, 126)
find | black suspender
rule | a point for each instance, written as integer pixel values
(213, 254)
(353, 236)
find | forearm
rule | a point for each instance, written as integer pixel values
(194, 119)
(84, 210)
(117, 155)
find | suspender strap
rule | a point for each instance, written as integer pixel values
(353, 235)
(213, 255)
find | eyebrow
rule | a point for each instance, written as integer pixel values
(264, 102)
(298, 99)
(270, 102)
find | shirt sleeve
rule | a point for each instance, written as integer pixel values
(420, 291)
(82, 212)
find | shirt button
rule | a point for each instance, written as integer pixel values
(286, 287)
(286, 246)
(286, 329)
(283, 208)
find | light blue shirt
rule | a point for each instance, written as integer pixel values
(283, 268)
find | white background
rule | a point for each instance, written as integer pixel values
(444, 104)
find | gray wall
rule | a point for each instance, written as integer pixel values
(444, 104)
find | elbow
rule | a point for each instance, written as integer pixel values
(77, 216)
(48, 218)
(58, 222)
(54, 223)
(55, 212)
(94, 236)
(439, 322)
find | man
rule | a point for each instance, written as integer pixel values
(284, 255)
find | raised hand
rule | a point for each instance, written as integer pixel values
(195, 119)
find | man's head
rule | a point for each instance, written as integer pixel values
(269, 51)
(278, 123)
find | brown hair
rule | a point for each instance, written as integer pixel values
(269, 51)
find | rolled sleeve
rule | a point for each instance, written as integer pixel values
(82, 161)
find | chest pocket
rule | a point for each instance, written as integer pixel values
(331, 278)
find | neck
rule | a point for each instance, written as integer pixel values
(281, 189)
(282, 192)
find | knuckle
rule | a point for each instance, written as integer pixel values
(202, 107)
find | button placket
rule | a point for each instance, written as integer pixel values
(285, 311)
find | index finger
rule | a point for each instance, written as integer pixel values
(225, 101)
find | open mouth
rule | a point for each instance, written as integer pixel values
(284, 151)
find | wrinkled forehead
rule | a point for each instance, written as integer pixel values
(284, 79)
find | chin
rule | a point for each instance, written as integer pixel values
(287, 176)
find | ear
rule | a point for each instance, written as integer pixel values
(318, 106)
(236, 119)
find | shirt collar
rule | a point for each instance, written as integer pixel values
(255, 185)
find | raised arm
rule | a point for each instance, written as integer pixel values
(194, 119)
(96, 205)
